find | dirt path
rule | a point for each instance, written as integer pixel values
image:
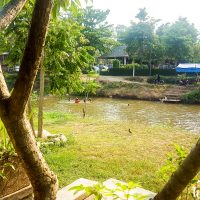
(115, 79)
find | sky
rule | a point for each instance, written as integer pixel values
(123, 11)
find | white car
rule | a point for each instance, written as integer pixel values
(96, 69)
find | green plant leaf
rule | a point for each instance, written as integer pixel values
(3, 3)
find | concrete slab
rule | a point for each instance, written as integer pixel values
(66, 194)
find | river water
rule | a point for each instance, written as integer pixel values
(184, 116)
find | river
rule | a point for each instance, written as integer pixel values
(184, 116)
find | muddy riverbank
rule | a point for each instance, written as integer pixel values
(140, 91)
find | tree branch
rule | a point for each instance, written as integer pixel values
(10, 11)
(32, 55)
(4, 92)
(182, 176)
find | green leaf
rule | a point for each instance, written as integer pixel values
(55, 10)
(77, 187)
(77, 2)
(3, 3)
(32, 1)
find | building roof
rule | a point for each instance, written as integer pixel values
(188, 67)
(116, 52)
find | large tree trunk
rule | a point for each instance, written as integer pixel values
(44, 182)
(30, 115)
(10, 11)
(12, 107)
(41, 98)
(182, 176)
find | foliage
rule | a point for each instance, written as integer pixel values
(66, 50)
(167, 80)
(120, 31)
(130, 66)
(96, 29)
(142, 43)
(90, 87)
(196, 52)
(6, 151)
(178, 39)
(117, 72)
(66, 56)
(192, 97)
(172, 163)
(121, 191)
(172, 79)
(138, 72)
(142, 14)
(168, 44)
(116, 63)
(16, 35)
(65, 5)
(6, 147)
(3, 3)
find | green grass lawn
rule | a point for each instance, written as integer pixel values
(99, 150)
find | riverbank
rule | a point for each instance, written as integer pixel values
(122, 88)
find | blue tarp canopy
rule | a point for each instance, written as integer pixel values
(188, 68)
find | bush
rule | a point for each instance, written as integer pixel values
(172, 79)
(130, 66)
(117, 72)
(116, 63)
(162, 72)
(167, 80)
(122, 71)
(192, 97)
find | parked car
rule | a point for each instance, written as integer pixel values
(96, 69)
(103, 67)
(16, 68)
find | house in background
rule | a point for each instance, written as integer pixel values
(4, 66)
(119, 53)
(3, 56)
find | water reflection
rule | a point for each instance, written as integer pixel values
(185, 116)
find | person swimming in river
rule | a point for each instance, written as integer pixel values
(77, 100)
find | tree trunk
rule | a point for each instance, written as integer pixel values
(150, 68)
(182, 176)
(150, 65)
(30, 115)
(44, 182)
(41, 98)
(10, 11)
(12, 107)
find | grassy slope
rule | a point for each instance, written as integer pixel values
(99, 150)
(134, 90)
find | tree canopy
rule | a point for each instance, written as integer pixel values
(178, 39)
(168, 43)
(96, 29)
(66, 50)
